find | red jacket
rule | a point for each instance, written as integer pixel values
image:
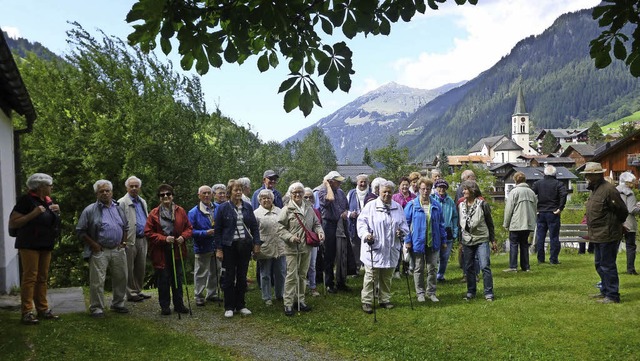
(158, 240)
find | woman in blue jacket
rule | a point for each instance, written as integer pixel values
(426, 235)
(450, 215)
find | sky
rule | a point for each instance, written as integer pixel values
(449, 45)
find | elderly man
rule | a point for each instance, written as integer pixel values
(552, 196)
(269, 180)
(135, 210)
(334, 209)
(219, 193)
(382, 225)
(606, 212)
(206, 269)
(356, 198)
(103, 228)
(467, 174)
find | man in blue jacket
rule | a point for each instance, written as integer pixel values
(552, 196)
(206, 268)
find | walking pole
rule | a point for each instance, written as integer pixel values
(373, 275)
(215, 267)
(298, 275)
(406, 276)
(184, 275)
(175, 278)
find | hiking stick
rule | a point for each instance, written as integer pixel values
(184, 275)
(215, 267)
(373, 275)
(298, 275)
(175, 278)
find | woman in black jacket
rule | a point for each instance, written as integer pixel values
(35, 219)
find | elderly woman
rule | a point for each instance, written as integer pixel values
(167, 229)
(382, 225)
(477, 230)
(450, 215)
(36, 220)
(427, 233)
(310, 198)
(627, 182)
(236, 234)
(520, 220)
(356, 198)
(296, 216)
(414, 177)
(404, 196)
(271, 256)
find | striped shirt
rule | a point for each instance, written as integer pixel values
(239, 234)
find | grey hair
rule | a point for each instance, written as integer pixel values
(202, 188)
(307, 189)
(387, 184)
(472, 186)
(246, 182)
(217, 187)
(467, 174)
(102, 182)
(549, 170)
(436, 171)
(266, 193)
(295, 185)
(39, 179)
(132, 178)
(360, 176)
(375, 184)
(627, 177)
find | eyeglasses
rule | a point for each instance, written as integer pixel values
(308, 197)
(274, 180)
(165, 194)
(297, 192)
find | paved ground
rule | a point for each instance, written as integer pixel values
(61, 300)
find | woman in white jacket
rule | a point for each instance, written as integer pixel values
(627, 183)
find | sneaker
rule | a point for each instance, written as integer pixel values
(433, 298)
(288, 311)
(228, 313)
(607, 300)
(48, 315)
(244, 311)
(199, 302)
(468, 297)
(367, 308)
(214, 299)
(97, 315)
(332, 290)
(268, 303)
(29, 319)
(165, 311)
(387, 305)
(314, 292)
(304, 307)
(441, 280)
(510, 270)
(421, 298)
(396, 275)
(489, 298)
(119, 309)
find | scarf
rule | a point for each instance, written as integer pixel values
(468, 214)
(360, 195)
(167, 218)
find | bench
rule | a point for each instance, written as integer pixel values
(570, 235)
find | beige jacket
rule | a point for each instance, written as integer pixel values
(290, 229)
(126, 204)
(272, 245)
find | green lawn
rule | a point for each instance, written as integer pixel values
(545, 314)
(614, 127)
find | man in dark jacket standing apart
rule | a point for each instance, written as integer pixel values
(606, 212)
(552, 196)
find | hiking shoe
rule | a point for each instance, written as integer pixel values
(288, 311)
(244, 311)
(468, 297)
(314, 292)
(632, 272)
(489, 299)
(119, 309)
(181, 309)
(387, 305)
(29, 319)
(200, 302)
(48, 315)
(597, 295)
(367, 308)
(144, 295)
(228, 313)
(165, 311)
(268, 303)
(135, 298)
(332, 290)
(510, 270)
(421, 298)
(304, 307)
(433, 298)
(97, 315)
(607, 300)
(214, 299)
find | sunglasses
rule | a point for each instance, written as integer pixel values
(165, 194)
(308, 197)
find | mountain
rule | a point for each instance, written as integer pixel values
(359, 124)
(561, 86)
(22, 46)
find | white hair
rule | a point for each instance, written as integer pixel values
(266, 193)
(627, 177)
(216, 187)
(387, 184)
(39, 179)
(132, 178)
(467, 174)
(295, 185)
(203, 188)
(549, 170)
(246, 182)
(362, 176)
(100, 183)
(375, 184)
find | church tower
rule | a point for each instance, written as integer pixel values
(520, 125)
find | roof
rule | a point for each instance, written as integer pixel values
(556, 160)
(535, 173)
(494, 167)
(520, 106)
(489, 141)
(508, 145)
(615, 145)
(586, 150)
(13, 93)
(466, 159)
(354, 170)
(562, 133)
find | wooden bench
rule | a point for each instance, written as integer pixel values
(570, 235)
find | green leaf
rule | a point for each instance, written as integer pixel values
(202, 63)
(310, 65)
(230, 53)
(345, 82)
(287, 84)
(306, 102)
(215, 60)
(187, 61)
(295, 64)
(292, 98)
(326, 26)
(323, 65)
(263, 62)
(385, 26)
(619, 51)
(165, 45)
(634, 64)
(602, 60)
(331, 79)
(273, 59)
(350, 28)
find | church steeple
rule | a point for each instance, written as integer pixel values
(520, 106)
(520, 124)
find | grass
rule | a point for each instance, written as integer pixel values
(545, 314)
(614, 127)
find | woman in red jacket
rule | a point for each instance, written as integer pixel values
(167, 229)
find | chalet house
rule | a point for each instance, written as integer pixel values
(13, 98)
(580, 135)
(580, 153)
(620, 156)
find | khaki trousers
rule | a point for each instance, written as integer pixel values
(99, 262)
(136, 265)
(35, 273)
(300, 264)
(383, 279)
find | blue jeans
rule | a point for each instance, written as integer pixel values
(551, 222)
(605, 262)
(445, 253)
(483, 252)
(279, 271)
(519, 239)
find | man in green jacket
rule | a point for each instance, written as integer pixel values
(606, 212)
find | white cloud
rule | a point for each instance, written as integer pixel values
(370, 84)
(12, 31)
(493, 29)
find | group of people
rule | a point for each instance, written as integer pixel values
(371, 227)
